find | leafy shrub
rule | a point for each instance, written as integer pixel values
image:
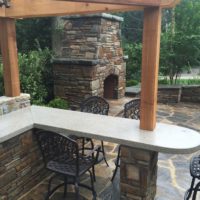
(131, 83)
(29, 30)
(194, 81)
(36, 76)
(133, 64)
(58, 103)
(163, 82)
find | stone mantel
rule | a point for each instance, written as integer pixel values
(165, 138)
(82, 62)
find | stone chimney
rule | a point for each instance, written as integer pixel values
(89, 57)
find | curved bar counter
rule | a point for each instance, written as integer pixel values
(165, 138)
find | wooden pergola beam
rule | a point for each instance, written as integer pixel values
(124, 2)
(44, 8)
(150, 67)
(145, 3)
(169, 3)
(9, 56)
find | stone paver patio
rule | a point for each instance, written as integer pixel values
(173, 173)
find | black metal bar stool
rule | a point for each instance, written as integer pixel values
(96, 105)
(195, 173)
(62, 156)
(131, 111)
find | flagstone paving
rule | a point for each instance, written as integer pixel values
(173, 170)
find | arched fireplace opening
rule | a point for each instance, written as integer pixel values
(111, 87)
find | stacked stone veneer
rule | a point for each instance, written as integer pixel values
(9, 104)
(138, 174)
(88, 50)
(21, 166)
(191, 94)
(169, 94)
(172, 94)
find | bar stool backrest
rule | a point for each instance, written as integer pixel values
(95, 105)
(132, 109)
(56, 147)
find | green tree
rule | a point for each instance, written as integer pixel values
(180, 40)
(133, 64)
(132, 26)
(132, 44)
(31, 32)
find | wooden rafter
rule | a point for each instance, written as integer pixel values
(169, 3)
(124, 2)
(43, 8)
(145, 3)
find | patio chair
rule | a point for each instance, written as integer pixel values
(96, 105)
(195, 173)
(131, 111)
(61, 155)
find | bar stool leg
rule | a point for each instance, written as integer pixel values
(65, 188)
(189, 191)
(49, 188)
(77, 189)
(92, 185)
(104, 155)
(196, 189)
(93, 172)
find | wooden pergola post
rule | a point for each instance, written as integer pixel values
(9, 56)
(150, 66)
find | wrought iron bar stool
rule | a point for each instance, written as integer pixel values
(131, 111)
(62, 156)
(195, 173)
(96, 105)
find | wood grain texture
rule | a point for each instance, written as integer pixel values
(150, 66)
(9, 56)
(124, 2)
(2, 12)
(169, 3)
(43, 8)
(146, 3)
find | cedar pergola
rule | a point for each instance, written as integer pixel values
(15, 9)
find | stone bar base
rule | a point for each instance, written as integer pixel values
(21, 166)
(9, 104)
(138, 174)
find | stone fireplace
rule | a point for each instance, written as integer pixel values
(89, 58)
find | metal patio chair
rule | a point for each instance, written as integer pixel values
(96, 105)
(195, 173)
(62, 156)
(131, 111)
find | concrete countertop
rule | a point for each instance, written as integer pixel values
(165, 138)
